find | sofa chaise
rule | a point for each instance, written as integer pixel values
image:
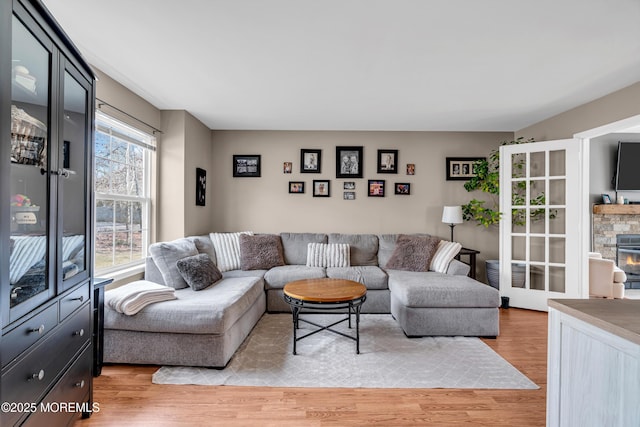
(205, 327)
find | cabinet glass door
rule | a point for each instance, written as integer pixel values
(29, 246)
(72, 183)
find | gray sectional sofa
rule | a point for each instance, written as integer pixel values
(206, 327)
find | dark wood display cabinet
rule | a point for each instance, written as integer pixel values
(47, 101)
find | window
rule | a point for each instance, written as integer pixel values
(122, 194)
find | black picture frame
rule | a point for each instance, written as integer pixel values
(461, 168)
(387, 161)
(310, 161)
(321, 188)
(402, 188)
(349, 162)
(296, 187)
(376, 187)
(606, 199)
(201, 187)
(246, 165)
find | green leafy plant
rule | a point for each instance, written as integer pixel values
(487, 180)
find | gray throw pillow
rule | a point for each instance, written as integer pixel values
(413, 253)
(260, 252)
(199, 271)
(166, 254)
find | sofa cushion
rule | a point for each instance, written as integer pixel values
(295, 246)
(227, 247)
(211, 311)
(328, 255)
(277, 277)
(204, 245)
(431, 289)
(445, 253)
(372, 277)
(260, 252)
(364, 247)
(166, 254)
(413, 253)
(386, 246)
(199, 271)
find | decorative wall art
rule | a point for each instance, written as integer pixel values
(461, 168)
(376, 188)
(387, 161)
(411, 169)
(310, 161)
(287, 167)
(349, 161)
(349, 185)
(247, 165)
(296, 187)
(403, 188)
(349, 195)
(321, 188)
(201, 186)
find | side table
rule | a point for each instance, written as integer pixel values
(98, 323)
(471, 253)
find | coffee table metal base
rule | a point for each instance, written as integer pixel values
(352, 307)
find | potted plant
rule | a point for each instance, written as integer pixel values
(487, 212)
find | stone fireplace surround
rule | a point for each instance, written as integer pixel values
(610, 220)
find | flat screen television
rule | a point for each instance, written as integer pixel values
(628, 170)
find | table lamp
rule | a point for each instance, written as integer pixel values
(452, 215)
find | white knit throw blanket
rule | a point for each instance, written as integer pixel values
(129, 299)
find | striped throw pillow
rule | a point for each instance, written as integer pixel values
(227, 248)
(328, 255)
(444, 254)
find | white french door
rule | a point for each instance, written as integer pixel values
(541, 232)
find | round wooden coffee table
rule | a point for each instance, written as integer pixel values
(325, 294)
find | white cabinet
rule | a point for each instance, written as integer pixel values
(593, 363)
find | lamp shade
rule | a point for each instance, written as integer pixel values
(452, 215)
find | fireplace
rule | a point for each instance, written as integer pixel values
(628, 257)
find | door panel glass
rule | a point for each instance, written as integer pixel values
(557, 221)
(72, 178)
(538, 167)
(30, 111)
(536, 277)
(557, 279)
(557, 192)
(557, 163)
(518, 165)
(557, 250)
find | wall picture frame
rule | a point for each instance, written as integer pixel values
(411, 168)
(321, 188)
(349, 162)
(287, 167)
(402, 188)
(387, 161)
(246, 165)
(606, 199)
(310, 161)
(349, 195)
(296, 187)
(376, 187)
(461, 168)
(201, 187)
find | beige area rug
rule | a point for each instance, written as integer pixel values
(387, 359)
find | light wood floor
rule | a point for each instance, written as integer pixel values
(126, 396)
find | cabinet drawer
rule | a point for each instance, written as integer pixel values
(28, 333)
(30, 377)
(71, 302)
(73, 388)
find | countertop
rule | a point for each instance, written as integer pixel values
(620, 317)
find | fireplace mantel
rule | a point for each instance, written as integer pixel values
(614, 209)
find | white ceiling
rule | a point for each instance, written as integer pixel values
(468, 65)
